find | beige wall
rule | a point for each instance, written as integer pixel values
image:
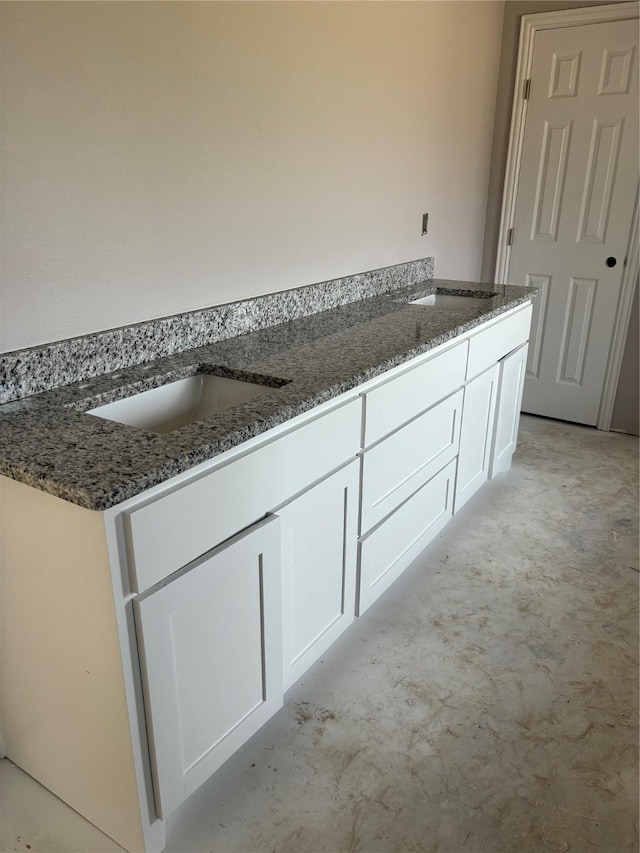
(160, 157)
(626, 403)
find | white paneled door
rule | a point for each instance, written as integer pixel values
(575, 201)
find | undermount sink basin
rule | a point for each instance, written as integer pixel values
(450, 300)
(169, 407)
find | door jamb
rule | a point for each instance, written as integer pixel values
(623, 317)
(530, 25)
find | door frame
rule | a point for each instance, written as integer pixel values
(530, 25)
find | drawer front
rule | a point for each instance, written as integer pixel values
(489, 346)
(400, 399)
(387, 551)
(170, 531)
(396, 467)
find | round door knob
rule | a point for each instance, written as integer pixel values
(611, 262)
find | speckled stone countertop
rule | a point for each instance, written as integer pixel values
(49, 441)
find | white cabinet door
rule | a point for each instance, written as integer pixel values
(512, 376)
(478, 412)
(319, 541)
(210, 643)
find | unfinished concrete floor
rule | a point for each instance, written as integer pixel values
(488, 702)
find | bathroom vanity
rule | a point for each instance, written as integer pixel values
(156, 611)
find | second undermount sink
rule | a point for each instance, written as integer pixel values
(451, 300)
(169, 407)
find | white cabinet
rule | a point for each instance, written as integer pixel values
(210, 633)
(478, 412)
(319, 538)
(512, 376)
(408, 477)
(211, 658)
(430, 444)
(491, 408)
(210, 593)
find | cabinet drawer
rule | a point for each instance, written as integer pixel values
(387, 551)
(396, 467)
(170, 531)
(400, 399)
(489, 346)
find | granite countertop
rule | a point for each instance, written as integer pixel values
(49, 442)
